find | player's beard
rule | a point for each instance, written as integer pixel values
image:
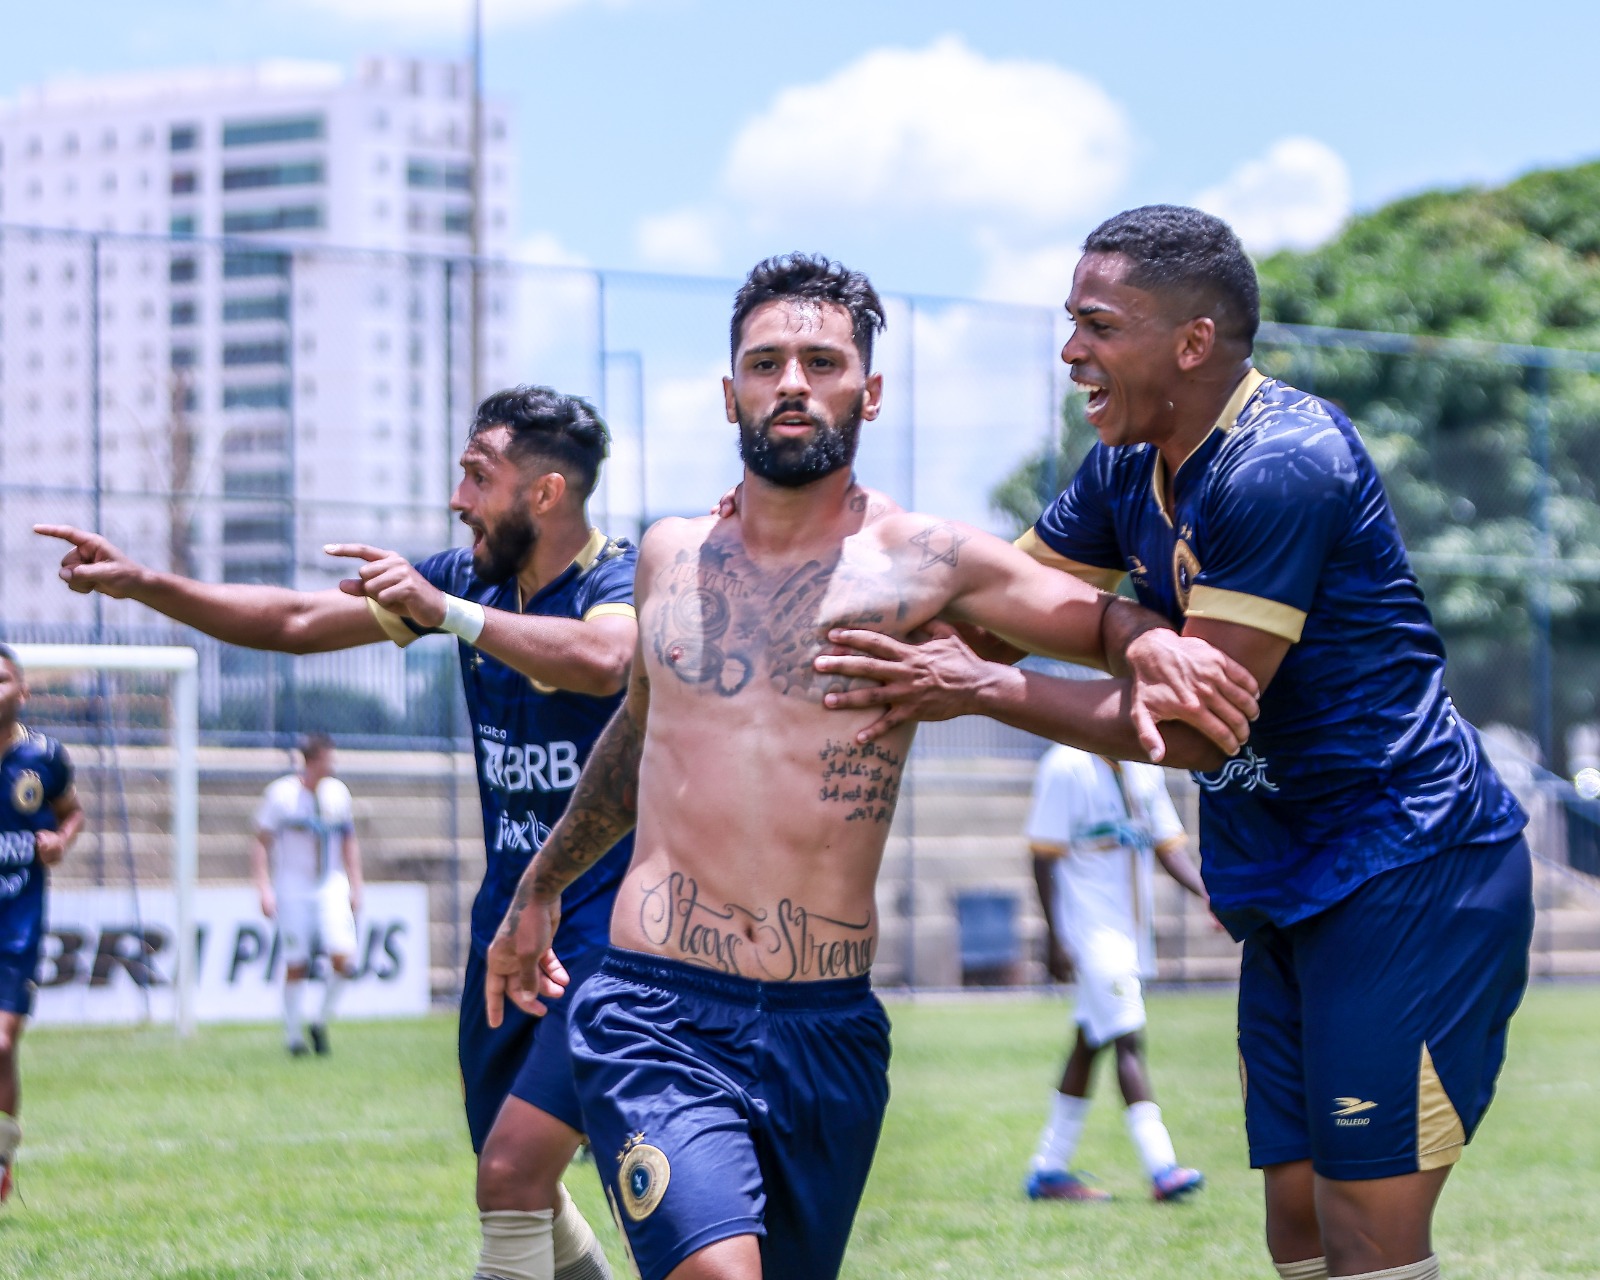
(507, 544)
(792, 463)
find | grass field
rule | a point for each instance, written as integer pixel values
(223, 1158)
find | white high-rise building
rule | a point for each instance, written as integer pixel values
(207, 331)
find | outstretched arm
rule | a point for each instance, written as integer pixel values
(257, 617)
(604, 808)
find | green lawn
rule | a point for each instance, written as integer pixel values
(223, 1158)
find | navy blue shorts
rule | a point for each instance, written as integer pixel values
(720, 1106)
(1370, 1035)
(16, 983)
(525, 1057)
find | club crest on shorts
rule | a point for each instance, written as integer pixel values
(643, 1177)
(27, 793)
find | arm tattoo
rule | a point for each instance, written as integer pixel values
(940, 544)
(603, 809)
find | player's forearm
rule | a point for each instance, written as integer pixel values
(69, 829)
(561, 653)
(257, 617)
(1121, 624)
(1177, 863)
(604, 808)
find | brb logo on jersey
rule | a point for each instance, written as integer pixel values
(16, 850)
(527, 766)
(1247, 770)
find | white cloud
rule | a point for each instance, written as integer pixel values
(1040, 273)
(544, 249)
(1294, 197)
(680, 240)
(936, 129)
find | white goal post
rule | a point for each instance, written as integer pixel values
(183, 665)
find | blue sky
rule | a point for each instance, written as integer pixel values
(948, 148)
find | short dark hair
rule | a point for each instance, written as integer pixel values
(8, 654)
(810, 276)
(551, 427)
(314, 745)
(1182, 252)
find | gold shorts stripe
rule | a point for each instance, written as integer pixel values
(1033, 545)
(616, 609)
(1244, 1080)
(392, 626)
(1440, 1135)
(1248, 611)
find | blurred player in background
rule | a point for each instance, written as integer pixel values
(1361, 845)
(39, 819)
(306, 864)
(541, 605)
(1095, 828)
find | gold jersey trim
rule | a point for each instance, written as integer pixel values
(1440, 1135)
(393, 626)
(615, 609)
(1249, 611)
(1226, 421)
(1032, 545)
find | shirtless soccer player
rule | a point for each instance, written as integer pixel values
(731, 1058)
(542, 607)
(1361, 845)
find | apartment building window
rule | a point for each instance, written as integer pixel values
(181, 224)
(434, 175)
(272, 306)
(265, 395)
(255, 484)
(184, 357)
(108, 140)
(458, 221)
(272, 175)
(273, 528)
(240, 266)
(183, 137)
(245, 353)
(256, 132)
(182, 270)
(185, 182)
(184, 311)
(282, 218)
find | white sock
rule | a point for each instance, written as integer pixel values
(578, 1255)
(1058, 1141)
(1427, 1269)
(331, 987)
(1150, 1136)
(516, 1245)
(293, 1030)
(1307, 1269)
(10, 1137)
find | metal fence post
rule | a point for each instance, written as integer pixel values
(1540, 699)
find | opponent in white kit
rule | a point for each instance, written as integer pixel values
(1096, 828)
(306, 828)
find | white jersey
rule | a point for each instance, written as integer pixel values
(1103, 819)
(308, 832)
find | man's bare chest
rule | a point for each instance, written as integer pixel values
(719, 624)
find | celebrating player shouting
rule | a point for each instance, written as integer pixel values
(1361, 844)
(542, 607)
(39, 819)
(731, 1058)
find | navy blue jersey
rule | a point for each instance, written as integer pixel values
(530, 740)
(34, 773)
(1359, 762)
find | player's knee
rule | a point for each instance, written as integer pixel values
(513, 1176)
(8, 1047)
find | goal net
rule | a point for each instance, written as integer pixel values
(121, 943)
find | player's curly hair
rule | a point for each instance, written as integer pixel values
(1188, 256)
(809, 275)
(549, 427)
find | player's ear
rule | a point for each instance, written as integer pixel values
(872, 400)
(546, 491)
(729, 405)
(1196, 340)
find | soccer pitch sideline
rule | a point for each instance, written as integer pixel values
(225, 1158)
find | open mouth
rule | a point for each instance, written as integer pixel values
(1099, 396)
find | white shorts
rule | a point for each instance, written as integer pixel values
(319, 916)
(1110, 992)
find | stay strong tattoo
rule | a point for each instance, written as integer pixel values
(782, 943)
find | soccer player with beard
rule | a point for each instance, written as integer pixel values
(730, 1055)
(542, 608)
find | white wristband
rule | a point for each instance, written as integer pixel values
(462, 618)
